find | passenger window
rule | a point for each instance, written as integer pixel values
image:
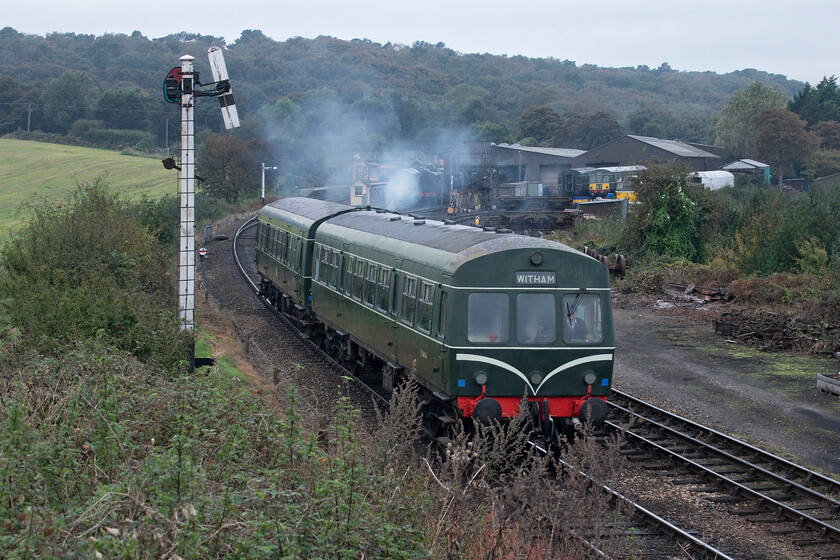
(358, 279)
(582, 319)
(425, 306)
(383, 294)
(349, 266)
(260, 234)
(294, 260)
(370, 284)
(488, 317)
(409, 299)
(334, 267)
(535, 319)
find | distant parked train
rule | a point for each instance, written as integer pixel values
(479, 319)
(589, 183)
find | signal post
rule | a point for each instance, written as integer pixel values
(179, 86)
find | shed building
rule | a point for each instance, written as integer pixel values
(641, 150)
(532, 164)
(749, 167)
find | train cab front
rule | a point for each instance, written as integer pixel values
(542, 354)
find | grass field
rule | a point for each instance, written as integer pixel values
(33, 170)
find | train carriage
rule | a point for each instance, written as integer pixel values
(284, 245)
(480, 319)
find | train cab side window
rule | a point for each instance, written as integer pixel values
(488, 317)
(535, 318)
(370, 284)
(582, 319)
(316, 259)
(425, 305)
(409, 299)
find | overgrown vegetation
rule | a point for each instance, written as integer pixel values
(81, 269)
(109, 449)
(767, 248)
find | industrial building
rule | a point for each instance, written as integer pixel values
(641, 150)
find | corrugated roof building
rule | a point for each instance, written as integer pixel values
(528, 163)
(641, 150)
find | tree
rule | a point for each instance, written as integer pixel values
(588, 130)
(647, 122)
(123, 109)
(67, 99)
(486, 131)
(540, 123)
(14, 107)
(817, 104)
(781, 139)
(465, 104)
(228, 167)
(735, 130)
(828, 134)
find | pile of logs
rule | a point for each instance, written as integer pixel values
(778, 332)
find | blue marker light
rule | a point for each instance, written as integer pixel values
(462, 383)
(605, 382)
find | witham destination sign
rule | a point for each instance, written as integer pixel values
(536, 278)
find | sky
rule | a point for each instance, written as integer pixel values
(798, 39)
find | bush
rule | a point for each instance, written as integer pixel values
(83, 268)
(672, 215)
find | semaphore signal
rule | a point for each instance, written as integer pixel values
(180, 86)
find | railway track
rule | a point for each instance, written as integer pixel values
(662, 538)
(759, 486)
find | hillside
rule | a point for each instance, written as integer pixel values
(29, 170)
(402, 93)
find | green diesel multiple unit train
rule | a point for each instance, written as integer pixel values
(479, 319)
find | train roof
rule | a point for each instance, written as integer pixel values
(434, 234)
(442, 246)
(310, 209)
(435, 244)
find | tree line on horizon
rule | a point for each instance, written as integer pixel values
(310, 103)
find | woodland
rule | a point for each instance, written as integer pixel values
(309, 104)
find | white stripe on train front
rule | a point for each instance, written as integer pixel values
(552, 373)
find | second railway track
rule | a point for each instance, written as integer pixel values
(762, 487)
